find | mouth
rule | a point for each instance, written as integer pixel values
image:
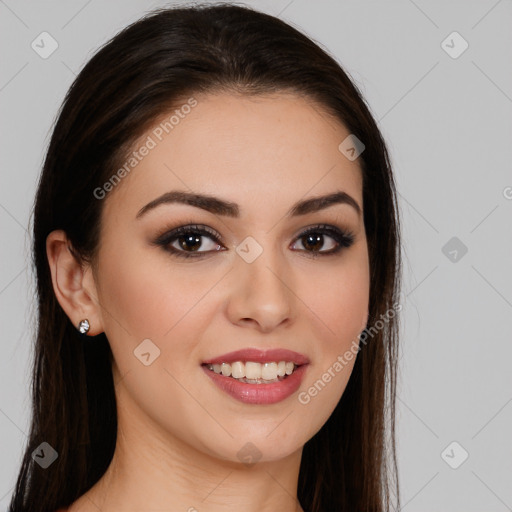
(252, 372)
(257, 377)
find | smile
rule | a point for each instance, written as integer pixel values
(252, 372)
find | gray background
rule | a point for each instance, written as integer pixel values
(448, 124)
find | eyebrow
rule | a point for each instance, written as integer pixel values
(229, 209)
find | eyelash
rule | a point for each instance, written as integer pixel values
(343, 238)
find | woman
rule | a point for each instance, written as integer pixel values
(216, 241)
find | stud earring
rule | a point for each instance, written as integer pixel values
(83, 326)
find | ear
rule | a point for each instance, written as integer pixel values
(73, 283)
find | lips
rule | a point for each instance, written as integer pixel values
(259, 394)
(260, 356)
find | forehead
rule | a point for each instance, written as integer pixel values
(248, 149)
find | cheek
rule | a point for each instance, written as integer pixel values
(339, 298)
(340, 303)
(343, 306)
(146, 296)
(150, 297)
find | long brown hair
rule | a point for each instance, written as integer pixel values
(171, 53)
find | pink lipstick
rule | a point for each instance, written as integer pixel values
(255, 376)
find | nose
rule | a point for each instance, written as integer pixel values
(262, 295)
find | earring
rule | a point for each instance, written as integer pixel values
(83, 326)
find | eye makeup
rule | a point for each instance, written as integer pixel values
(190, 235)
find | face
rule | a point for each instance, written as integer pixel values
(254, 273)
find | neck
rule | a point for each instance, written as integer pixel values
(154, 469)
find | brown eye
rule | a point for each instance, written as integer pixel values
(187, 240)
(314, 239)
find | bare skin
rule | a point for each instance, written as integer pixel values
(179, 435)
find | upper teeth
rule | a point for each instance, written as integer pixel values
(252, 370)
